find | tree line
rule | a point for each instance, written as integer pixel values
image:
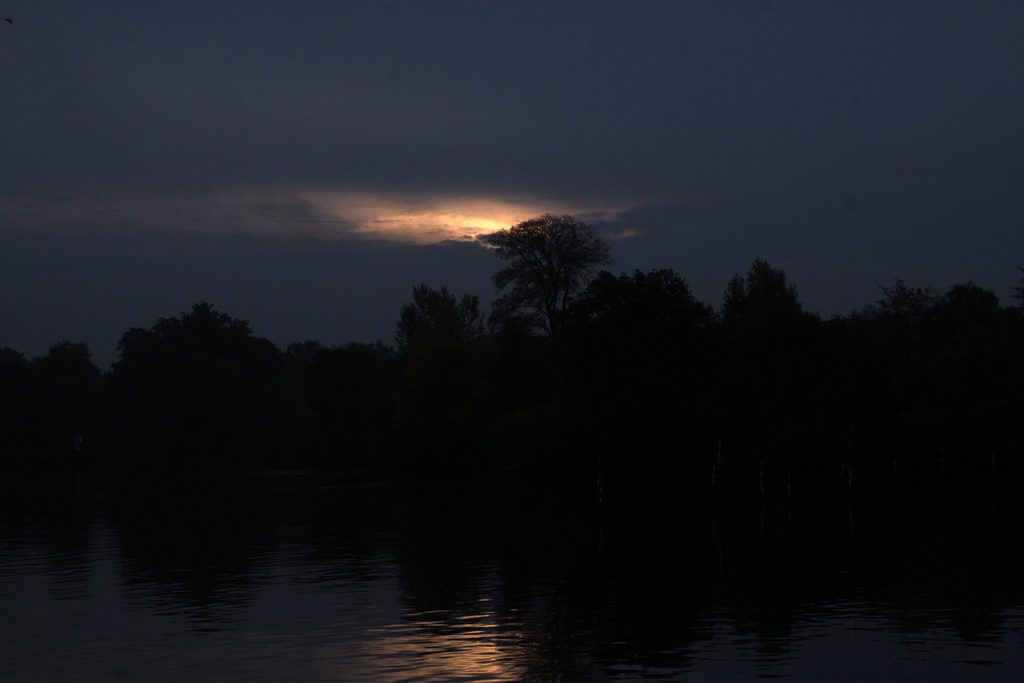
(576, 372)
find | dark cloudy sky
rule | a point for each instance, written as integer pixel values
(303, 164)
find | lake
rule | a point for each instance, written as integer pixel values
(307, 577)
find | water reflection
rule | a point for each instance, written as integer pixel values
(328, 582)
(437, 646)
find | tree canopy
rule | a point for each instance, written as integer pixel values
(199, 380)
(550, 260)
(436, 317)
(763, 296)
(637, 381)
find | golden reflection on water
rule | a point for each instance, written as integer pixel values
(467, 647)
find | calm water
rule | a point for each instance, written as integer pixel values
(304, 578)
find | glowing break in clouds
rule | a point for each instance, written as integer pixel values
(413, 218)
(424, 220)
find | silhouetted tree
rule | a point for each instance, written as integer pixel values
(197, 386)
(307, 440)
(443, 401)
(550, 260)
(641, 346)
(763, 297)
(646, 304)
(771, 384)
(956, 390)
(65, 388)
(931, 384)
(352, 390)
(642, 382)
(302, 354)
(904, 303)
(435, 318)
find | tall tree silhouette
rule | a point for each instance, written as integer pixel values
(442, 404)
(771, 388)
(550, 260)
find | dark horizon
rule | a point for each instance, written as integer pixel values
(325, 319)
(574, 373)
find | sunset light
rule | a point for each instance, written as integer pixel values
(425, 220)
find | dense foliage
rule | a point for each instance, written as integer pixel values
(549, 260)
(642, 383)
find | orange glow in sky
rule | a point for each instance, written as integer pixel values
(426, 220)
(409, 218)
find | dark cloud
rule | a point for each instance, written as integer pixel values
(591, 97)
(850, 143)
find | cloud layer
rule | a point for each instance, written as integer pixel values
(848, 143)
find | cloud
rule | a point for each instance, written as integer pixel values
(411, 217)
(250, 212)
(422, 218)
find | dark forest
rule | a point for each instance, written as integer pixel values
(577, 373)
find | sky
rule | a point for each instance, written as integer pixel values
(302, 165)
